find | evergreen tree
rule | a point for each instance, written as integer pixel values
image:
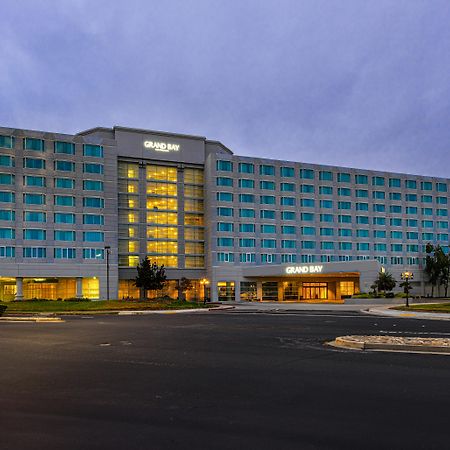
(150, 276)
(385, 282)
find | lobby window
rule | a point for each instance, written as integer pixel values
(64, 183)
(287, 187)
(64, 166)
(64, 235)
(33, 163)
(395, 182)
(267, 214)
(288, 258)
(288, 229)
(395, 222)
(325, 175)
(361, 179)
(288, 243)
(93, 150)
(225, 226)
(64, 253)
(7, 161)
(268, 185)
(344, 218)
(377, 181)
(326, 218)
(224, 196)
(246, 198)
(7, 214)
(225, 242)
(34, 234)
(395, 209)
(288, 215)
(441, 200)
(345, 232)
(307, 217)
(224, 181)
(64, 218)
(328, 204)
(412, 222)
(246, 212)
(225, 257)
(362, 233)
(427, 224)
(246, 183)
(427, 199)
(93, 202)
(377, 247)
(92, 185)
(34, 252)
(68, 148)
(7, 252)
(247, 242)
(345, 245)
(265, 169)
(225, 212)
(396, 196)
(6, 141)
(7, 233)
(326, 190)
(7, 178)
(307, 174)
(307, 188)
(411, 210)
(426, 185)
(29, 180)
(34, 216)
(33, 144)
(441, 187)
(308, 231)
(378, 207)
(362, 207)
(246, 168)
(364, 193)
(410, 184)
(441, 212)
(64, 200)
(225, 166)
(93, 168)
(93, 236)
(327, 245)
(267, 228)
(34, 199)
(378, 195)
(343, 177)
(307, 203)
(93, 253)
(308, 245)
(287, 201)
(327, 232)
(379, 234)
(362, 220)
(346, 192)
(287, 171)
(93, 219)
(7, 197)
(411, 197)
(246, 227)
(247, 258)
(344, 205)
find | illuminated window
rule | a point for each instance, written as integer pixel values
(132, 217)
(162, 233)
(128, 260)
(193, 205)
(133, 246)
(195, 234)
(162, 218)
(192, 262)
(162, 173)
(194, 248)
(162, 247)
(165, 189)
(193, 176)
(193, 219)
(162, 203)
(132, 202)
(347, 287)
(193, 191)
(168, 261)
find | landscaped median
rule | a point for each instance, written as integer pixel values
(393, 343)
(426, 307)
(95, 307)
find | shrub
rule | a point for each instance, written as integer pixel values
(76, 299)
(389, 295)
(2, 309)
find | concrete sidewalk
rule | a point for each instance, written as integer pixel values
(380, 311)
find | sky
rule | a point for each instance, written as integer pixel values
(341, 82)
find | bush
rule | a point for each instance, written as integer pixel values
(76, 299)
(2, 309)
(389, 295)
(361, 295)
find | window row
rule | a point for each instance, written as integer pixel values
(58, 235)
(59, 200)
(58, 252)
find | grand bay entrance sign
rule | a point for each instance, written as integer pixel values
(291, 270)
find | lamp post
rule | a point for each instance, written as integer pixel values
(406, 277)
(107, 251)
(204, 282)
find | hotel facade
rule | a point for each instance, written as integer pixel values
(78, 212)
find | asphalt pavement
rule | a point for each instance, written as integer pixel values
(219, 380)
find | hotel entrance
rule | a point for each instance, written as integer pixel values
(314, 291)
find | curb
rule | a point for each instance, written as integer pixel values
(176, 311)
(387, 312)
(32, 319)
(341, 342)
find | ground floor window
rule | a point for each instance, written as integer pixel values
(291, 289)
(225, 290)
(270, 291)
(248, 291)
(315, 291)
(347, 288)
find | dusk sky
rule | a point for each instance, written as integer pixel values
(353, 83)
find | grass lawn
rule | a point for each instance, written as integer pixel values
(111, 305)
(431, 307)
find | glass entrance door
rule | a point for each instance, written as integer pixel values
(315, 291)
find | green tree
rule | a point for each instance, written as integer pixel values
(384, 282)
(443, 263)
(184, 285)
(150, 277)
(433, 265)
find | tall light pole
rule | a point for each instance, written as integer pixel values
(107, 251)
(406, 276)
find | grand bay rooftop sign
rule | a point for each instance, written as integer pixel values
(291, 270)
(162, 146)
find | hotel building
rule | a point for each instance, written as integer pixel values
(240, 228)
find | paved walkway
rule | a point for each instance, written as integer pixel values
(380, 311)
